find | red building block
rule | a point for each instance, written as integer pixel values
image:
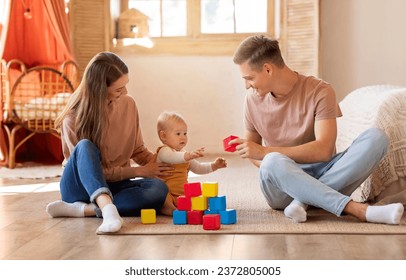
(195, 217)
(193, 189)
(227, 147)
(184, 203)
(211, 222)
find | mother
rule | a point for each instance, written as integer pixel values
(100, 136)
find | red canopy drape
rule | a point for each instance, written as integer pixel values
(5, 12)
(42, 39)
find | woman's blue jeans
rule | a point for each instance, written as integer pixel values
(83, 180)
(326, 185)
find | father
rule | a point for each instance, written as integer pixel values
(291, 130)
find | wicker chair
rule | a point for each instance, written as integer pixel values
(34, 99)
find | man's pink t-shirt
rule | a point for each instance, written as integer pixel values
(289, 121)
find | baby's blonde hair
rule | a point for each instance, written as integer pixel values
(166, 117)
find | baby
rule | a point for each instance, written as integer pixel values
(172, 131)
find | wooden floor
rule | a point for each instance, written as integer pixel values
(27, 232)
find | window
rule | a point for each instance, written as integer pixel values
(203, 26)
(216, 27)
(169, 17)
(233, 16)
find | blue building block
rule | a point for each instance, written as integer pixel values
(207, 212)
(228, 216)
(217, 203)
(179, 217)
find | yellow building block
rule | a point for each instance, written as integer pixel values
(148, 216)
(199, 203)
(210, 189)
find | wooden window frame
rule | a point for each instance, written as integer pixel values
(196, 43)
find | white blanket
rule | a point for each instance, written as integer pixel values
(42, 107)
(382, 106)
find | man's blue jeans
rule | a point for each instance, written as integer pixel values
(83, 180)
(327, 185)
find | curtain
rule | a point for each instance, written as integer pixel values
(41, 37)
(59, 22)
(6, 7)
(4, 23)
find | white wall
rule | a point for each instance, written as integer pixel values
(363, 43)
(208, 91)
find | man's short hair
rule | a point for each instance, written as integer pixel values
(258, 50)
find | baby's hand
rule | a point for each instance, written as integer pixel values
(195, 154)
(219, 163)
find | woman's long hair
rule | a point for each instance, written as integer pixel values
(88, 104)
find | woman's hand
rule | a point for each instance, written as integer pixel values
(154, 170)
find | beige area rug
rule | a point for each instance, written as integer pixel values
(31, 170)
(239, 182)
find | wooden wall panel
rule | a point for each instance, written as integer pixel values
(90, 29)
(301, 35)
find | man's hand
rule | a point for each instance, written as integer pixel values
(249, 149)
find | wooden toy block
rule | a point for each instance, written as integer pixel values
(179, 217)
(148, 216)
(228, 216)
(217, 203)
(210, 189)
(199, 203)
(228, 147)
(194, 217)
(184, 203)
(192, 189)
(211, 222)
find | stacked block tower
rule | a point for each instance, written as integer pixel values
(201, 205)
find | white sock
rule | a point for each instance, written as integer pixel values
(112, 221)
(60, 208)
(296, 211)
(386, 214)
